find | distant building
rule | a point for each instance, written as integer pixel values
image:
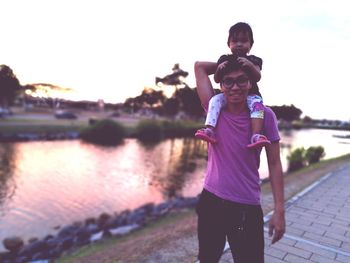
(101, 105)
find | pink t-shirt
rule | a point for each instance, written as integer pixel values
(232, 171)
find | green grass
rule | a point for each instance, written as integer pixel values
(15, 126)
(9, 127)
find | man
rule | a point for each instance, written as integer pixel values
(229, 206)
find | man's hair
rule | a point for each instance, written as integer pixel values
(231, 65)
(238, 28)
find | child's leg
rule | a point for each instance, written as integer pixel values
(256, 107)
(215, 105)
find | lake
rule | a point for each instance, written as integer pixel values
(47, 184)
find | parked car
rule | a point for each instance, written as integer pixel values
(5, 112)
(65, 115)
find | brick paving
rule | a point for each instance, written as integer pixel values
(317, 224)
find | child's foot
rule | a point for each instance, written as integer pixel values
(206, 134)
(258, 141)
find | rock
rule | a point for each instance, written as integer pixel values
(13, 244)
(66, 244)
(68, 231)
(82, 236)
(34, 248)
(96, 237)
(123, 229)
(103, 219)
(90, 221)
(32, 240)
(92, 228)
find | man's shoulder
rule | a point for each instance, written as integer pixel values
(269, 115)
(269, 111)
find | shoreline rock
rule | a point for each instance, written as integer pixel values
(79, 234)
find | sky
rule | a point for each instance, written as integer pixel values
(112, 50)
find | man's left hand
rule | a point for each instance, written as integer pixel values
(277, 226)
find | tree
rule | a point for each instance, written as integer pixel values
(175, 78)
(287, 113)
(171, 107)
(189, 101)
(9, 86)
(151, 97)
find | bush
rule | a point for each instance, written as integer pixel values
(173, 129)
(314, 154)
(104, 132)
(299, 157)
(296, 159)
(149, 131)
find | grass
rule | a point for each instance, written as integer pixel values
(10, 126)
(16, 126)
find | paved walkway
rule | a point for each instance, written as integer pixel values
(317, 224)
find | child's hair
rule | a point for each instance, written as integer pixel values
(232, 64)
(238, 28)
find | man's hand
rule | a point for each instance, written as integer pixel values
(277, 226)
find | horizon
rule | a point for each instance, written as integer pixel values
(112, 51)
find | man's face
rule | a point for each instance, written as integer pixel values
(235, 86)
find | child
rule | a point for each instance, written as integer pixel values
(240, 41)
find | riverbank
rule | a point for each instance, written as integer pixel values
(173, 238)
(29, 126)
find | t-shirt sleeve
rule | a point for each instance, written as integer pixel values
(221, 59)
(271, 125)
(256, 61)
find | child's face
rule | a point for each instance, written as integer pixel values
(240, 44)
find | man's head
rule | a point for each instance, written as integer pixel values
(240, 38)
(234, 79)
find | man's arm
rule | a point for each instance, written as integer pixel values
(202, 70)
(277, 224)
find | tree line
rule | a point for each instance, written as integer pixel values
(183, 100)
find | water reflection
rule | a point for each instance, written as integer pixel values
(180, 162)
(7, 182)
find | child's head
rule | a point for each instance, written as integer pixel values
(240, 39)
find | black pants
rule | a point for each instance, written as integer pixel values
(241, 224)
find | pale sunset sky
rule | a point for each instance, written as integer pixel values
(111, 50)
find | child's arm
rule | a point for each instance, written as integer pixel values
(253, 68)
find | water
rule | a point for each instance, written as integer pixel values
(44, 185)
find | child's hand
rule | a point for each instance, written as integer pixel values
(222, 65)
(245, 62)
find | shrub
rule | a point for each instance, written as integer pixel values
(299, 157)
(314, 154)
(149, 131)
(173, 129)
(296, 159)
(104, 132)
